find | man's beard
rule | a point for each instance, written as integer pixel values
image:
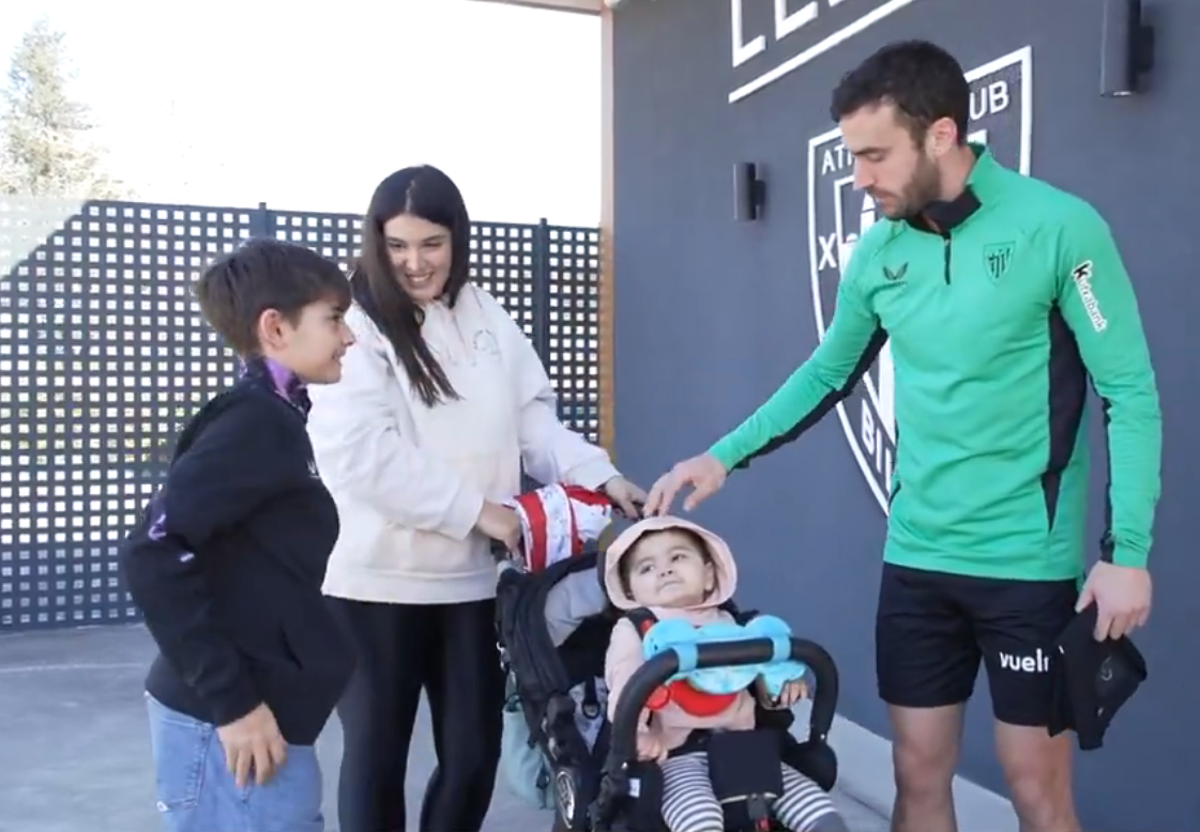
(924, 187)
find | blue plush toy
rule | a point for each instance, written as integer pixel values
(683, 637)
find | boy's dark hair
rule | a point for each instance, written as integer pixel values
(263, 274)
(426, 192)
(625, 567)
(922, 80)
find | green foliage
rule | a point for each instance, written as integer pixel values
(45, 135)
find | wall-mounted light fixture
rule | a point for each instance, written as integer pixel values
(1126, 48)
(749, 192)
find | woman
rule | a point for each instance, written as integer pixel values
(440, 402)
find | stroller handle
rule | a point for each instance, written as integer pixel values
(658, 669)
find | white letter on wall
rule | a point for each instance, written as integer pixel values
(743, 52)
(786, 23)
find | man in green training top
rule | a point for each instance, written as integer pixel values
(1000, 295)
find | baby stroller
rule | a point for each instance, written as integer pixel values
(597, 781)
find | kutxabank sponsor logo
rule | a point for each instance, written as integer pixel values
(839, 215)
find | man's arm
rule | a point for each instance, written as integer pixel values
(233, 467)
(1098, 304)
(853, 340)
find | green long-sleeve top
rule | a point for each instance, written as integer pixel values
(996, 314)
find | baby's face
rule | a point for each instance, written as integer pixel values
(668, 569)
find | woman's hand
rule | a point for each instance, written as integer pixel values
(629, 498)
(500, 523)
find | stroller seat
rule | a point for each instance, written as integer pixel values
(557, 680)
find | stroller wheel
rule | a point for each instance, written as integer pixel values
(565, 798)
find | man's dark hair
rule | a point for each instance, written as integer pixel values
(922, 80)
(263, 274)
(426, 192)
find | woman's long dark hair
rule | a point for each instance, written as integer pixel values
(427, 193)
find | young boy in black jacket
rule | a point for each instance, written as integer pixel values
(228, 562)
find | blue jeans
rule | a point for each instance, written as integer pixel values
(197, 793)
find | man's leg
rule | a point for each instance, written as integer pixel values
(924, 755)
(926, 661)
(1017, 623)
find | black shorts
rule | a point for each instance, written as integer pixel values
(932, 629)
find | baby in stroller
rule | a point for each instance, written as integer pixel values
(668, 569)
(571, 743)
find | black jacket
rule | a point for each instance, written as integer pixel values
(228, 561)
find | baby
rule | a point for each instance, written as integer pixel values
(677, 569)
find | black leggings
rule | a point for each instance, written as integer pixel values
(449, 651)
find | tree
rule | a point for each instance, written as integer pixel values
(45, 141)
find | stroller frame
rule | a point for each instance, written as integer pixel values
(606, 801)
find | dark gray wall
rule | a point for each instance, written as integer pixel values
(713, 314)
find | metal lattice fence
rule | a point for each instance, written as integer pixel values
(103, 356)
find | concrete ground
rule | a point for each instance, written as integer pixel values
(75, 747)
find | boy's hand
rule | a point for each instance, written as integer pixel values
(253, 742)
(650, 746)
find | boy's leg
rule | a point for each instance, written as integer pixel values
(194, 789)
(688, 801)
(379, 709)
(466, 703)
(291, 800)
(806, 807)
(180, 746)
(197, 792)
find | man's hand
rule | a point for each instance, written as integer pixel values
(650, 746)
(500, 523)
(253, 743)
(1122, 598)
(628, 497)
(704, 473)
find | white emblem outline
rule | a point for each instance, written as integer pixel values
(1022, 57)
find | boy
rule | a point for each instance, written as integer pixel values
(228, 561)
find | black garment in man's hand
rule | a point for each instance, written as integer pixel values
(1092, 680)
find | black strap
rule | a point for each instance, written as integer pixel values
(742, 617)
(591, 698)
(642, 620)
